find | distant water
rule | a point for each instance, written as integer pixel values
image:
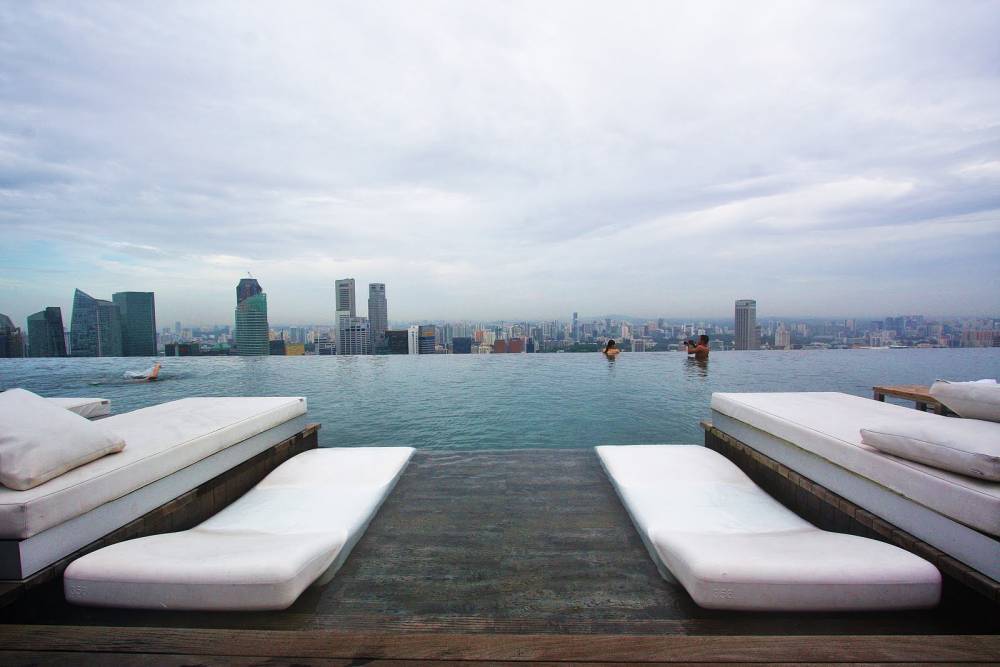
(500, 401)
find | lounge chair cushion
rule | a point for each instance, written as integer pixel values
(828, 424)
(972, 400)
(162, 439)
(966, 446)
(295, 527)
(732, 546)
(85, 407)
(40, 441)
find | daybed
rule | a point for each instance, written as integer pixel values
(85, 407)
(297, 526)
(818, 435)
(732, 546)
(170, 449)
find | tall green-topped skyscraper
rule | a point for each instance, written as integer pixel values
(95, 328)
(138, 316)
(45, 333)
(251, 319)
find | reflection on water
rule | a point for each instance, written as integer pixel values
(504, 400)
(696, 368)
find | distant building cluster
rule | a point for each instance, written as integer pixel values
(126, 326)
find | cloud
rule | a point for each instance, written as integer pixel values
(514, 160)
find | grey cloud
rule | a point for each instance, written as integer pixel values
(584, 157)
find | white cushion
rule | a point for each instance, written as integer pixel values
(40, 440)
(162, 439)
(85, 407)
(966, 446)
(829, 424)
(972, 400)
(732, 546)
(294, 528)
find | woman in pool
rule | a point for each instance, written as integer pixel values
(611, 350)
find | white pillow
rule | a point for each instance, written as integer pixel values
(973, 400)
(40, 440)
(967, 446)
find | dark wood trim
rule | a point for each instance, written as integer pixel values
(830, 511)
(185, 511)
(918, 393)
(556, 648)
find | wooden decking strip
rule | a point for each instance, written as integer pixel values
(554, 648)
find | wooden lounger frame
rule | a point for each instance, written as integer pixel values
(830, 511)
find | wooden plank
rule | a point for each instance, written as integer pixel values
(644, 648)
(157, 659)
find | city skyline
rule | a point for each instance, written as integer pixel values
(825, 157)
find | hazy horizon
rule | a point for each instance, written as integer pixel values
(494, 160)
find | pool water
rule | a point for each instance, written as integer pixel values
(505, 401)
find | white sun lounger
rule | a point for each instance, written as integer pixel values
(170, 449)
(85, 407)
(732, 546)
(296, 527)
(818, 435)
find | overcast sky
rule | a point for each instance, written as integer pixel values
(503, 159)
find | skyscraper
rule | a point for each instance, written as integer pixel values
(413, 339)
(251, 319)
(138, 314)
(427, 339)
(746, 325)
(355, 336)
(45, 333)
(11, 339)
(396, 341)
(345, 306)
(378, 314)
(576, 328)
(461, 345)
(95, 327)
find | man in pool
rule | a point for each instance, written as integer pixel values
(699, 349)
(611, 350)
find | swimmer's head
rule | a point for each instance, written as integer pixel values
(610, 345)
(703, 339)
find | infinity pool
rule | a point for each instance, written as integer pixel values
(500, 401)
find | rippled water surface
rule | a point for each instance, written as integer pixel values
(500, 401)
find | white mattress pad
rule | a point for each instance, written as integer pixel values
(159, 440)
(732, 546)
(85, 407)
(294, 528)
(829, 425)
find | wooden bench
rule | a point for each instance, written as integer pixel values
(917, 393)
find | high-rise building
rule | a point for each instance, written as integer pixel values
(252, 339)
(427, 339)
(413, 340)
(500, 346)
(355, 336)
(246, 288)
(11, 339)
(378, 314)
(95, 327)
(461, 345)
(345, 306)
(396, 341)
(576, 328)
(138, 315)
(782, 338)
(45, 333)
(746, 325)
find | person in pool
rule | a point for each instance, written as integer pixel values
(611, 349)
(699, 349)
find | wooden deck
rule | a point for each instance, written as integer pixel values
(498, 556)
